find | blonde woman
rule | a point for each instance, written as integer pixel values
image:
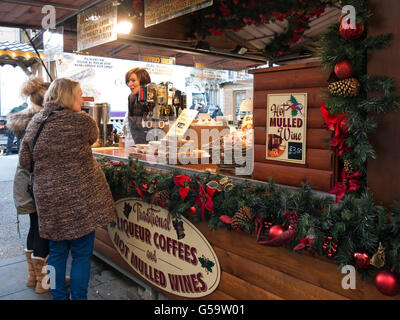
(71, 192)
(37, 248)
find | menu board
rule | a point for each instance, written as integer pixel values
(286, 127)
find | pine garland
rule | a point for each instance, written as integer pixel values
(354, 224)
(360, 110)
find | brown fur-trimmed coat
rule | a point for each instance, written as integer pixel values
(18, 122)
(72, 195)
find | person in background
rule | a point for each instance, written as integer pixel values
(10, 132)
(72, 195)
(37, 248)
(203, 108)
(134, 79)
(217, 112)
(194, 106)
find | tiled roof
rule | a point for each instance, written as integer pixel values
(11, 51)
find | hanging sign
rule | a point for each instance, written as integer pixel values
(286, 127)
(170, 254)
(157, 11)
(154, 59)
(97, 26)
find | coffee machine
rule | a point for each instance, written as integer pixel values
(100, 112)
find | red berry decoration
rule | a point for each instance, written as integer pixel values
(387, 282)
(361, 260)
(330, 247)
(349, 31)
(343, 70)
(275, 231)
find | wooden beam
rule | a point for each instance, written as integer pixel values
(148, 42)
(34, 3)
(116, 50)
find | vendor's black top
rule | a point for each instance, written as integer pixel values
(135, 116)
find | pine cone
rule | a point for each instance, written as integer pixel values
(348, 166)
(160, 196)
(243, 215)
(346, 88)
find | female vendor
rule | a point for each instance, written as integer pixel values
(134, 79)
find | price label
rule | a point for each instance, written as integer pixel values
(295, 150)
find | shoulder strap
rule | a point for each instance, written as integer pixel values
(36, 137)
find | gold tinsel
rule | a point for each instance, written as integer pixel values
(378, 259)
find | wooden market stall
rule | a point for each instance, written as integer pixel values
(246, 269)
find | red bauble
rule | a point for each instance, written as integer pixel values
(351, 32)
(192, 211)
(275, 231)
(387, 282)
(361, 260)
(343, 70)
(162, 204)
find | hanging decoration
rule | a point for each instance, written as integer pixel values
(234, 15)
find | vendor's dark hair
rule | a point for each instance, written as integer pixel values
(141, 74)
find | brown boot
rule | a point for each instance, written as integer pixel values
(31, 282)
(38, 264)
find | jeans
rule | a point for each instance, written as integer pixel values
(34, 242)
(10, 141)
(81, 251)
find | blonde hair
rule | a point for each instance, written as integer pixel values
(62, 92)
(35, 88)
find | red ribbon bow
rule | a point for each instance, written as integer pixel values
(182, 182)
(204, 199)
(337, 124)
(305, 243)
(350, 182)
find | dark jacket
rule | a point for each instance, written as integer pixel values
(135, 118)
(72, 195)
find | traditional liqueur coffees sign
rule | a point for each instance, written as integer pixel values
(286, 127)
(172, 255)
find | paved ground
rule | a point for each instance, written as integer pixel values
(105, 283)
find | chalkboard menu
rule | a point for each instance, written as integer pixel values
(295, 150)
(286, 127)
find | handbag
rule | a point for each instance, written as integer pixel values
(24, 198)
(31, 175)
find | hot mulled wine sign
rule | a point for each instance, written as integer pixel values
(172, 255)
(286, 127)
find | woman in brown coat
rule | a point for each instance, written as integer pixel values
(37, 248)
(71, 192)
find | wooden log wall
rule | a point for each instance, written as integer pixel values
(253, 272)
(320, 168)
